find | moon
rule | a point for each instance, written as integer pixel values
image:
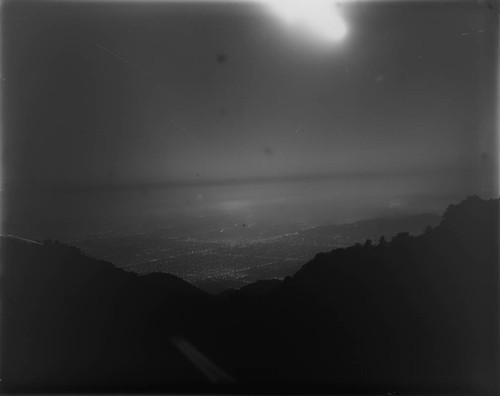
(320, 17)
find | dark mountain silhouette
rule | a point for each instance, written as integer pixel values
(373, 228)
(169, 283)
(258, 288)
(416, 314)
(72, 322)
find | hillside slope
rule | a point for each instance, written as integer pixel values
(72, 322)
(416, 314)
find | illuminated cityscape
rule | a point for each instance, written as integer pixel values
(232, 256)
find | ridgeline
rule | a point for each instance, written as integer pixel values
(416, 314)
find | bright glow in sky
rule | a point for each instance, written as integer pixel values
(320, 17)
(187, 108)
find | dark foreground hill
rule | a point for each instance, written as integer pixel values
(413, 315)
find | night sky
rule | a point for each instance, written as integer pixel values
(213, 97)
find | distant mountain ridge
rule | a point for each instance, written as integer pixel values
(374, 228)
(413, 314)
